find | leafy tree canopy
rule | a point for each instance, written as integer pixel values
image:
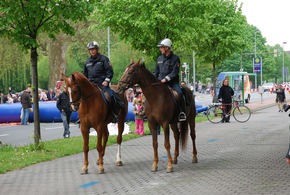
(145, 23)
(23, 21)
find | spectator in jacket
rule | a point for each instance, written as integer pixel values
(50, 95)
(280, 98)
(25, 100)
(226, 94)
(63, 106)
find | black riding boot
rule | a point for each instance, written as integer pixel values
(114, 111)
(182, 115)
(117, 105)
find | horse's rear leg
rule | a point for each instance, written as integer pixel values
(193, 137)
(176, 138)
(85, 150)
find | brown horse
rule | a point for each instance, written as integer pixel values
(94, 113)
(161, 109)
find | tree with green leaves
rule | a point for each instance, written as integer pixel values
(144, 23)
(23, 21)
(214, 29)
(221, 32)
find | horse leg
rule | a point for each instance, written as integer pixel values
(153, 129)
(100, 149)
(119, 141)
(85, 133)
(167, 147)
(191, 122)
(176, 138)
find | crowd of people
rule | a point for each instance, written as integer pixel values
(13, 97)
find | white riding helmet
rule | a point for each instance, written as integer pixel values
(165, 43)
(92, 45)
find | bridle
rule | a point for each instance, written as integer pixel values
(80, 96)
(79, 99)
(127, 84)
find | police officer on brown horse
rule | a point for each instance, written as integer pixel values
(167, 71)
(98, 69)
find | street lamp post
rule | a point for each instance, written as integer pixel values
(283, 70)
(261, 72)
(193, 71)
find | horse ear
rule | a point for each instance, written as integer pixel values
(142, 63)
(73, 77)
(63, 77)
(131, 61)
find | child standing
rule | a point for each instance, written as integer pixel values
(139, 112)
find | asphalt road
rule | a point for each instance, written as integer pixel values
(18, 135)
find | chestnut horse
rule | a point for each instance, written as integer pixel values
(94, 112)
(161, 109)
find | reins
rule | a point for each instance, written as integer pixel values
(80, 96)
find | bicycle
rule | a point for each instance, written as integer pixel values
(240, 112)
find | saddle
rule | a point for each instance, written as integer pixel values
(114, 103)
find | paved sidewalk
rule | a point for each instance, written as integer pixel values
(234, 158)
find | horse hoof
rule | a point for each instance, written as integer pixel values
(154, 169)
(84, 171)
(194, 160)
(119, 163)
(174, 161)
(169, 170)
(101, 171)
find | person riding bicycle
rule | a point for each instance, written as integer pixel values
(99, 71)
(225, 94)
(167, 71)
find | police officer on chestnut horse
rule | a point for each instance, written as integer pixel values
(167, 71)
(98, 69)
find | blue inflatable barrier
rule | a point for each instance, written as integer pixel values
(201, 109)
(130, 116)
(48, 112)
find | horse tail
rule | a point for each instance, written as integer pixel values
(183, 134)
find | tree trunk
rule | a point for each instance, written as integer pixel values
(34, 73)
(57, 59)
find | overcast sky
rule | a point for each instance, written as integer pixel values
(271, 17)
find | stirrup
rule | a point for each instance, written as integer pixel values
(182, 116)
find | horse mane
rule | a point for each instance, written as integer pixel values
(142, 65)
(81, 77)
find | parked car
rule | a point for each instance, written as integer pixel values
(269, 87)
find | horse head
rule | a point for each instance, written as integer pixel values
(73, 91)
(130, 76)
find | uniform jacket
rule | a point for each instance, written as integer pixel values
(98, 69)
(167, 67)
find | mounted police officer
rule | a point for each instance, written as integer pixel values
(167, 71)
(98, 69)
